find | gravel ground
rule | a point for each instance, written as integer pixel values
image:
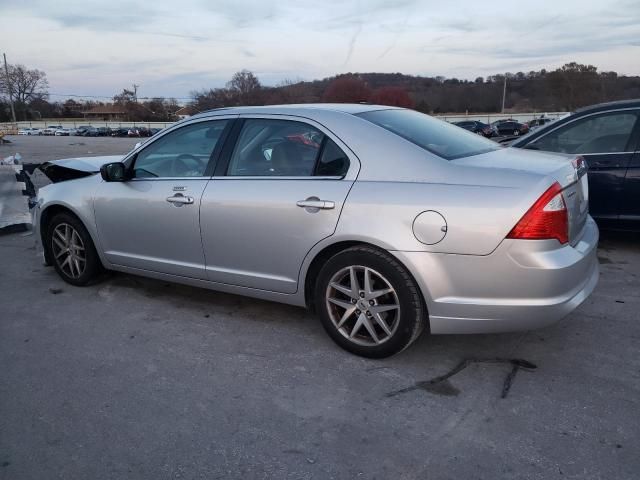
(135, 378)
(38, 149)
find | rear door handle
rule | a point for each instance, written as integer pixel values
(179, 199)
(314, 202)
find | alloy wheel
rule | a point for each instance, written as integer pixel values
(68, 250)
(362, 305)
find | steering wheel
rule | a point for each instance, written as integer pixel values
(184, 163)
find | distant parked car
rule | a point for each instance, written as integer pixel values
(511, 127)
(608, 137)
(81, 129)
(62, 132)
(89, 132)
(28, 131)
(477, 127)
(120, 132)
(539, 122)
(51, 129)
(102, 131)
(502, 120)
(154, 131)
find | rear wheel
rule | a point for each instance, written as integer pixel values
(72, 251)
(516, 132)
(368, 302)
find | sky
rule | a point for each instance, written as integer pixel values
(171, 48)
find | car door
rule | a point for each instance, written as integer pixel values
(604, 140)
(630, 204)
(151, 221)
(278, 192)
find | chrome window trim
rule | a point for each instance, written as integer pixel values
(604, 112)
(166, 179)
(276, 177)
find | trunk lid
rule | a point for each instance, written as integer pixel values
(569, 171)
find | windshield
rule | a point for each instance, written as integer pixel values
(436, 136)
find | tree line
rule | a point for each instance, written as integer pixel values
(567, 88)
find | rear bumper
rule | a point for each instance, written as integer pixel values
(522, 285)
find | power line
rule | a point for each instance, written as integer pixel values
(110, 97)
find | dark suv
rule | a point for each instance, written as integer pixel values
(608, 137)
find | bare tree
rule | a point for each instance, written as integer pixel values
(23, 84)
(245, 87)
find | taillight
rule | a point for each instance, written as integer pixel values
(546, 219)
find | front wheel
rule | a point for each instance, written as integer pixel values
(368, 302)
(72, 251)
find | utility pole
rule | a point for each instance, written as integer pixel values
(504, 91)
(9, 88)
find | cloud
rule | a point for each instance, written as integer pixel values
(352, 43)
(171, 50)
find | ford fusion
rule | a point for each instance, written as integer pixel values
(384, 221)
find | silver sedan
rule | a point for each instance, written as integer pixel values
(384, 221)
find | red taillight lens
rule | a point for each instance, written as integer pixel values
(546, 219)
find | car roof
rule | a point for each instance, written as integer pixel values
(609, 105)
(298, 109)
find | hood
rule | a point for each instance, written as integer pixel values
(72, 168)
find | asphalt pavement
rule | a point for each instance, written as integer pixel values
(140, 379)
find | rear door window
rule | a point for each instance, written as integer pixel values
(285, 148)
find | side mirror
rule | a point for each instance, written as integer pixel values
(114, 172)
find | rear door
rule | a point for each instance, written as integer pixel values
(605, 140)
(630, 205)
(279, 190)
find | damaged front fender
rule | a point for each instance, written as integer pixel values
(73, 168)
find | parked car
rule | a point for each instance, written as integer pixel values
(477, 127)
(380, 249)
(538, 122)
(51, 129)
(120, 132)
(29, 131)
(89, 132)
(62, 132)
(81, 129)
(511, 127)
(495, 123)
(608, 137)
(103, 132)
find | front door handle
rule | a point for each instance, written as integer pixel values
(316, 203)
(178, 199)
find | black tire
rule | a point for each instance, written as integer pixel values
(412, 314)
(92, 266)
(516, 132)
